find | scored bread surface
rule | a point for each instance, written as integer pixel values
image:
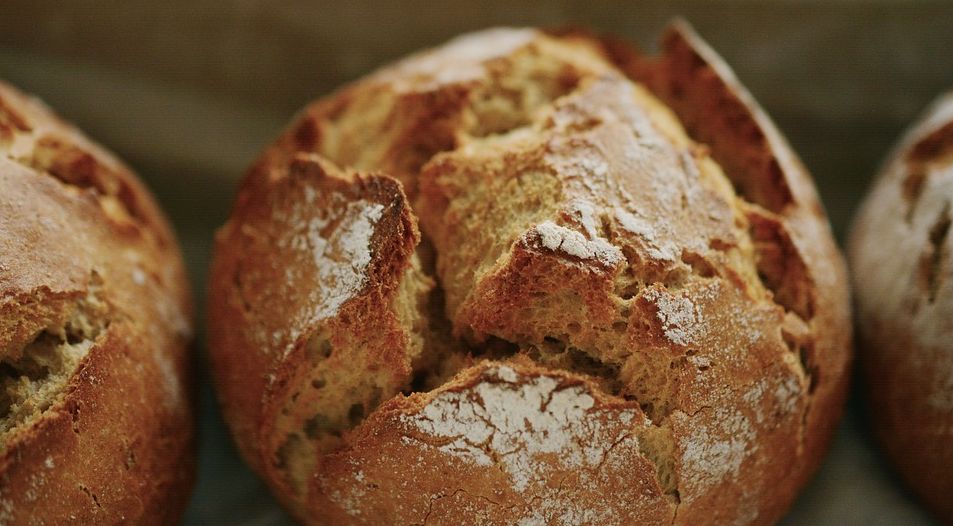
(901, 257)
(95, 417)
(532, 278)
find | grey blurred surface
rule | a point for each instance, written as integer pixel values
(188, 92)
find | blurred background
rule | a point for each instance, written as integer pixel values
(187, 92)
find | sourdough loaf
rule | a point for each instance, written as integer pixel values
(532, 278)
(95, 419)
(902, 268)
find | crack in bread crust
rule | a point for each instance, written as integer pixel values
(34, 376)
(574, 229)
(33, 136)
(94, 324)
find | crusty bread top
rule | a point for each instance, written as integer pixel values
(580, 239)
(94, 321)
(32, 136)
(901, 256)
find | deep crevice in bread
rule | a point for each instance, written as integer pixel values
(33, 378)
(937, 251)
(341, 400)
(554, 353)
(780, 266)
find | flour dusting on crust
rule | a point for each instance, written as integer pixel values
(340, 259)
(715, 451)
(681, 318)
(662, 250)
(533, 428)
(510, 420)
(561, 239)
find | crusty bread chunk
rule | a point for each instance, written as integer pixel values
(607, 325)
(95, 318)
(900, 252)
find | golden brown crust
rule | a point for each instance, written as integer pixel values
(579, 238)
(88, 258)
(719, 111)
(902, 264)
(503, 443)
(301, 276)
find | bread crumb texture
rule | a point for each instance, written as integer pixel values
(95, 425)
(532, 278)
(900, 251)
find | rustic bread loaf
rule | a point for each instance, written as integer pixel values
(532, 278)
(902, 269)
(95, 420)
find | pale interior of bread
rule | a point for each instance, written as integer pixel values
(34, 378)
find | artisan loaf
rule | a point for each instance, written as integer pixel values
(900, 254)
(532, 277)
(95, 414)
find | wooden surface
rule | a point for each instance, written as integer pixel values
(188, 91)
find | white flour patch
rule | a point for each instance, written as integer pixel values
(350, 500)
(700, 362)
(656, 248)
(579, 163)
(468, 53)
(525, 425)
(561, 239)
(6, 511)
(550, 511)
(787, 393)
(583, 212)
(681, 318)
(340, 260)
(754, 397)
(715, 451)
(138, 276)
(34, 485)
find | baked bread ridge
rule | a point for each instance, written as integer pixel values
(356, 289)
(97, 424)
(719, 111)
(900, 257)
(552, 193)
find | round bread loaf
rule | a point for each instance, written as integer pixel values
(95, 420)
(532, 278)
(903, 274)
